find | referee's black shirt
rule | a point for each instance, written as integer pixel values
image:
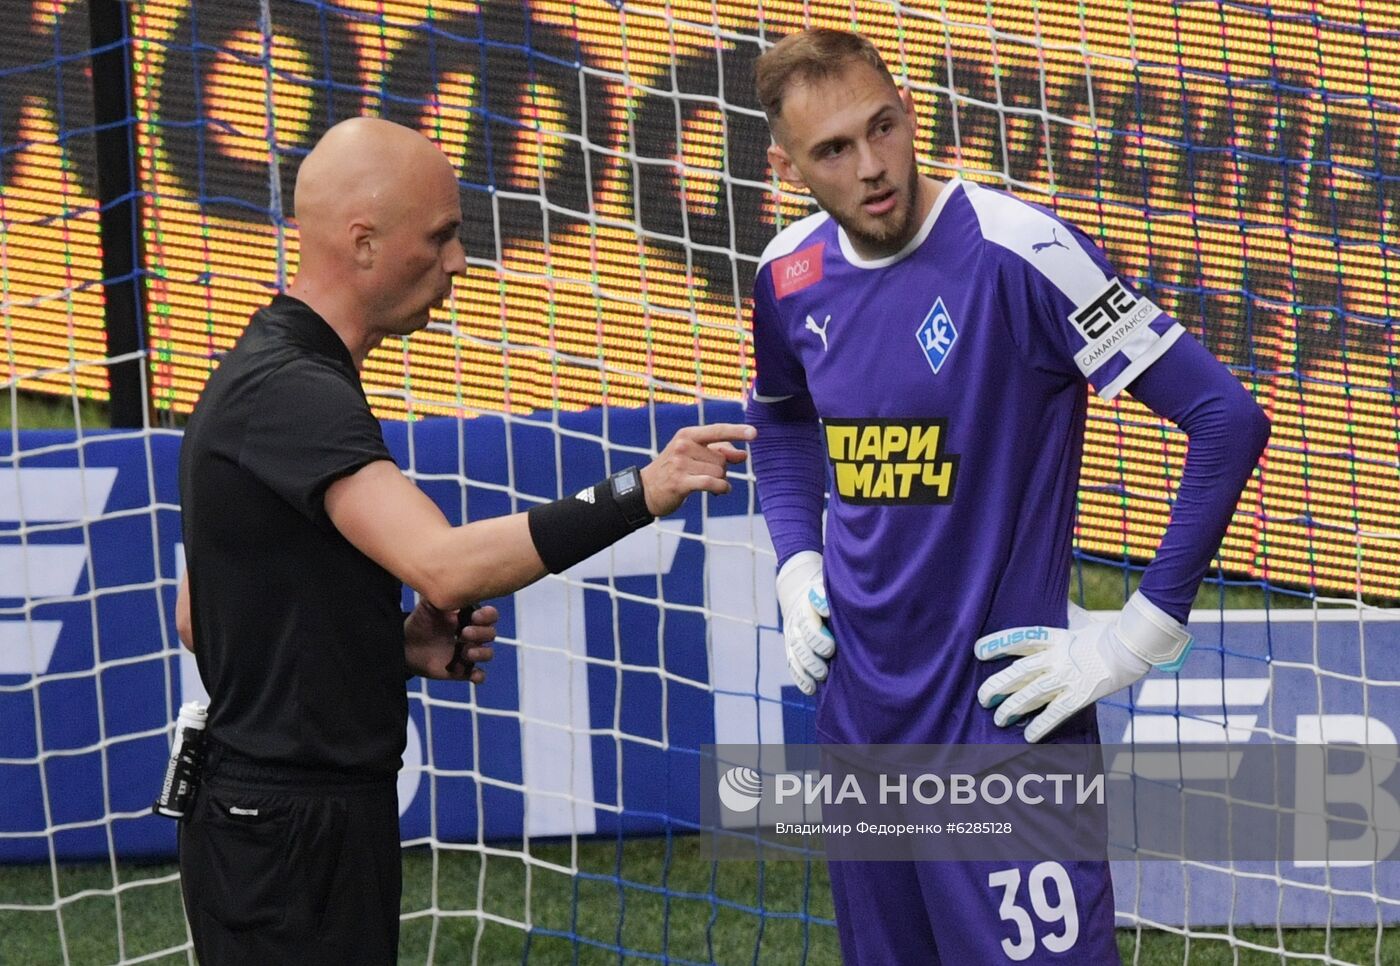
(298, 635)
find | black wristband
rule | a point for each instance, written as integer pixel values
(576, 527)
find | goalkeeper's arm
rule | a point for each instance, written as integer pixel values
(1070, 669)
(790, 471)
(1226, 432)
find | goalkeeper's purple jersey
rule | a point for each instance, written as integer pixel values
(950, 380)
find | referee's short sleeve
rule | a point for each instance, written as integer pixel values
(309, 427)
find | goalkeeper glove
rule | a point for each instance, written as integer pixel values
(1070, 669)
(802, 598)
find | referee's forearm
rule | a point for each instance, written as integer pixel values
(478, 561)
(388, 519)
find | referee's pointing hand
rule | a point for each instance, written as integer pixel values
(696, 458)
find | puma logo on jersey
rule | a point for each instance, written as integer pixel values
(1054, 241)
(819, 329)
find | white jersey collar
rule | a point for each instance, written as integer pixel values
(849, 251)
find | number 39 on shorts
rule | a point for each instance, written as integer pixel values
(1060, 912)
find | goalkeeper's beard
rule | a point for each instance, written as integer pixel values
(887, 234)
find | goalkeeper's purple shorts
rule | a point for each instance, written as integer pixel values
(966, 913)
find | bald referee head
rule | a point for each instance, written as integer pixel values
(378, 209)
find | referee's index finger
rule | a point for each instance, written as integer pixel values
(720, 432)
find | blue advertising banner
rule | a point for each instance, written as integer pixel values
(607, 681)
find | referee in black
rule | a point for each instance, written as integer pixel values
(299, 534)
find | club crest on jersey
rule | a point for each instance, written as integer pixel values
(890, 461)
(1107, 321)
(936, 334)
(792, 273)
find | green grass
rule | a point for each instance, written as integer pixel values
(150, 916)
(34, 411)
(617, 906)
(1103, 587)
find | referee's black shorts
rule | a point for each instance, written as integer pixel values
(290, 866)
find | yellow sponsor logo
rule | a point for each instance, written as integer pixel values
(890, 461)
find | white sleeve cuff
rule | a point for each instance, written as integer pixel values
(1152, 634)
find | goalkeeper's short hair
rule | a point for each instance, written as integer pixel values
(811, 55)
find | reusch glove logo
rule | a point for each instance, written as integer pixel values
(1014, 637)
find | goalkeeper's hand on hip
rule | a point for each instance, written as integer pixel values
(1064, 670)
(802, 599)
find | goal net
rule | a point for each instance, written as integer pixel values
(1238, 161)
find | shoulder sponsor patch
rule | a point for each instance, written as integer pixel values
(1106, 322)
(936, 335)
(792, 273)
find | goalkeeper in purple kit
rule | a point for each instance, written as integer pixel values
(925, 349)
